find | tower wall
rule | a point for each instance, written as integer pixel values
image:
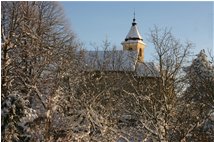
(135, 46)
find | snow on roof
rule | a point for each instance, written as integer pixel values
(134, 33)
(118, 60)
(110, 60)
(146, 69)
(133, 41)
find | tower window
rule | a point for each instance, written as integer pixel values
(140, 52)
(130, 49)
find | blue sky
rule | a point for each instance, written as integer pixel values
(93, 22)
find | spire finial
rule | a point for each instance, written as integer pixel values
(134, 23)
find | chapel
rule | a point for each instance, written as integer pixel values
(130, 59)
(113, 76)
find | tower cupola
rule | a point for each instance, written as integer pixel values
(134, 41)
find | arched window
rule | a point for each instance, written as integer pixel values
(140, 52)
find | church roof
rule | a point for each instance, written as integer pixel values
(146, 69)
(133, 33)
(118, 60)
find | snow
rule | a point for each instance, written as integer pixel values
(146, 69)
(110, 60)
(133, 41)
(134, 33)
(118, 60)
(201, 67)
(31, 115)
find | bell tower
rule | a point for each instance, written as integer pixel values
(134, 41)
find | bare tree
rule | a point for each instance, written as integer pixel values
(36, 45)
(166, 114)
(51, 92)
(158, 97)
(120, 103)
